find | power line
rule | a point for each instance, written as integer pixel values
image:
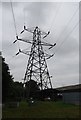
(68, 23)
(68, 35)
(14, 21)
(13, 17)
(65, 28)
(54, 18)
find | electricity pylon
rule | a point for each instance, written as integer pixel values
(37, 69)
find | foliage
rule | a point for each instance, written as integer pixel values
(14, 91)
(7, 81)
(18, 91)
(31, 89)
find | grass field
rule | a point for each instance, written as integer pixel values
(42, 110)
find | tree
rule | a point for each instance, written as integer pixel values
(18, 91)
(31, 89)
(7, 81)
(0, 78)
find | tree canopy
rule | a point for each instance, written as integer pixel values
(7, 81)
(31, 89)
(14, 90)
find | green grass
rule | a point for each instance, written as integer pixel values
(42, 110)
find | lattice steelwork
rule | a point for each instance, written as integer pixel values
(37, 67)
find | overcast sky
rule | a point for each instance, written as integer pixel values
(62, 20)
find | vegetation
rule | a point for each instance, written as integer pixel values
(31, 89)
(7, 81)
(14, 91)
(42, 110)
(11, 91)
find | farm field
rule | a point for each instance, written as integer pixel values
(42, 109)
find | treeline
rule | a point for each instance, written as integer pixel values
(10, 90)
(15, 91)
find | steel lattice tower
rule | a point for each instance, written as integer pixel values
(37, 69)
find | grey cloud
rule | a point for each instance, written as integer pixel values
(64, 65)
(38, 11)
(7, 5)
